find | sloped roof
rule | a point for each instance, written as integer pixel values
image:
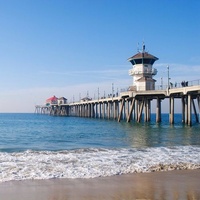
(86, 99)
(53, 98)
(145, 55)
(62, 98)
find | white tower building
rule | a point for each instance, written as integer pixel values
(143, 71)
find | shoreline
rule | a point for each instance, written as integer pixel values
(176, 184)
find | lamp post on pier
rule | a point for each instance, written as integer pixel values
(98, 94)
(161, 85)
(168, 78)
(112, 90)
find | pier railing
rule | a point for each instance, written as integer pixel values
(178, 85)
(171, 85)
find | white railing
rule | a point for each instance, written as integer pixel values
(175, 85)
(145, 71)
(178, 85)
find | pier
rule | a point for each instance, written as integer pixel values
(135, 103)
(131, 106)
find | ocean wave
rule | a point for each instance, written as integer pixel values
(94, 162)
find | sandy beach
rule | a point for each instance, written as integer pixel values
(183, 184)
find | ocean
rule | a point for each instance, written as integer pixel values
(35, 146)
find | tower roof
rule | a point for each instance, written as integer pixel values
(53, 98)
(142, 57)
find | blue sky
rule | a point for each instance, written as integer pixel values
(71, 47)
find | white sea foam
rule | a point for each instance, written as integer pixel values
(90, 163)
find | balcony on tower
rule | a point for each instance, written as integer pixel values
(144, 72)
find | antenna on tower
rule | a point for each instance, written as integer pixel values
(143, 47)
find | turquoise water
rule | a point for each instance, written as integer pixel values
(36, 146)
(20, 132)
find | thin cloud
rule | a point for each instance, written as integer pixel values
(178, 69)
(195, 59)
(85, 72)
(98, 75)
(177, 72)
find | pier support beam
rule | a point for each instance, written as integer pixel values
(126, 113)
(158, 110)
(116, 105)
(141, 105)
(92, 110)
(100, 110)
(183, 108)
(195, 111)
(131, 110)
(103, 110)
(198, 103)
(171, 110)
(108, 110)
(147, 110)
(96, 110)
(189, 121)
(121, 110)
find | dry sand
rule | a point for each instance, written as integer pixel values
(184, 184)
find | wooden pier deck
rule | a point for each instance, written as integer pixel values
(132, 105)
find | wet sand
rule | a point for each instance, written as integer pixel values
(184, 184)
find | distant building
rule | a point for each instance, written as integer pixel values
(85, 99)
(143, 71)
(62, 100)
(52, 100)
